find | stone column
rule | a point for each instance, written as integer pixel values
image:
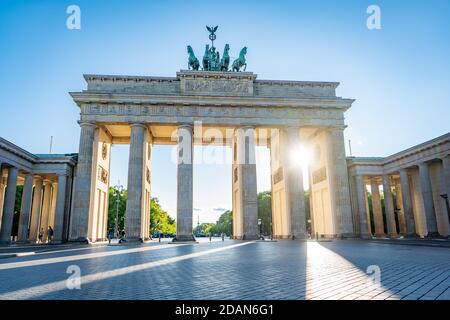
(338, 179)
(427, 195)
(133, 216)
(25, 209)
(389, 207)
(60, 209)
(376, 208)
(8, 207)
(185, 183)
(82, 195)
(362, 213)
(46, 208)
(446, 173)
(36, 209)
(407, 204)
(399, 205)
(2, 193)
(51, 216)
(295, 192)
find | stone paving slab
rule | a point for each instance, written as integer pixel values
(345, 270)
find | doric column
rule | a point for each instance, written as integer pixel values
(36, 209)
(446, 169)
(295, 192)
(399, 205)
(2, 193)
(427, 196)
(51, 216)
(338, 179)
(362, 213)
(389, 206)
(446, 181)
(135, 197)
(407, 204)
(376, 208)
(245, 211)
(60, 208)
(25, 209)
(8, 207)
(82, 195)
(185, 183)
(46, 208)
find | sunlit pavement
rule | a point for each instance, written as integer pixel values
(230, 270)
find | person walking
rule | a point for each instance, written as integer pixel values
(50, 234)
(41, 235)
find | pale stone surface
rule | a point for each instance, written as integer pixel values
(136, 176)
(288, 207)
(245, 187)
(425, 185)
(407, 204)
(80, 214)
(389, 206)
(36, 209)
(338, 179)
(185, 183)
(45, 213)
(364, 225)
(25, 209)
(376, 208)
(8, 206)
(60, 208)
(399, 205)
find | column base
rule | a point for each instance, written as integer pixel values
(365, 236)
(133, 240)
(433, 235)
(23, 242)
(380, 235)
(184, 238)
(394, 236)
(298, 237)
(81, 239)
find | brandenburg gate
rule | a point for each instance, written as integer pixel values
(243, 112)
(224, 105)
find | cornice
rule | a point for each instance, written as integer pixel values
(227, 101)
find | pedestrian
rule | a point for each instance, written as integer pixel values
(49, 234)
(110, 235)
(41, 235)
(223, 236)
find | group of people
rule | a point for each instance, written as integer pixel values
(111, 234)
(50, 233)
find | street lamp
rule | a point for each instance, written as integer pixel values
(118, 190)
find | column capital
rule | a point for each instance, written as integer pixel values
(47, 181)
(87, 124)
(138, 124)
(423, 165)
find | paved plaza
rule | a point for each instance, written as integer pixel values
(340, 269)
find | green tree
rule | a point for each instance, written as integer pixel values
(160, 220)
(117, 203)
(224, 224)
(264, 201)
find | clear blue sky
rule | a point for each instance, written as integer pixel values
(399, 75)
